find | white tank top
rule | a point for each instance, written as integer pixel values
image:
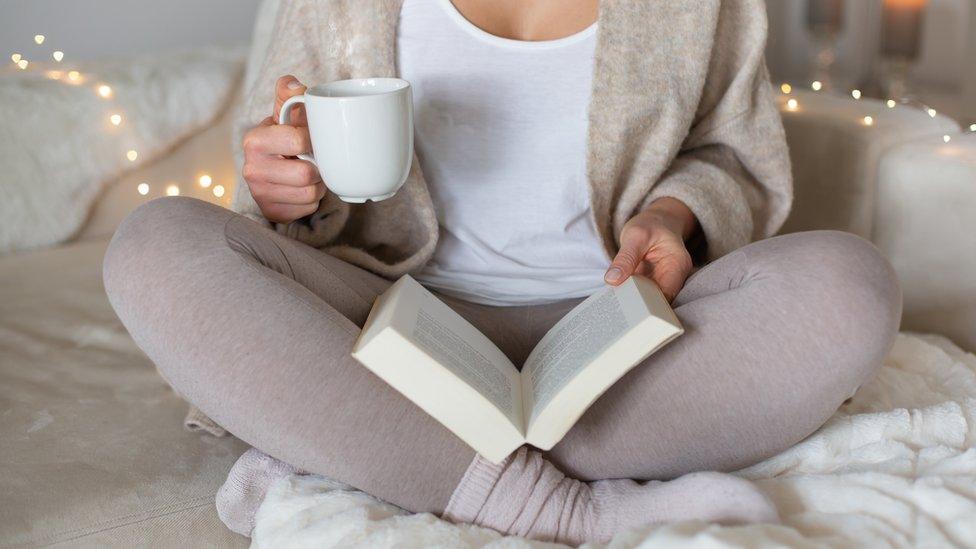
(501, 134)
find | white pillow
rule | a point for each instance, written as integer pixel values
(58, 147)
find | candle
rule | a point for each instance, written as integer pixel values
(825, 15)
(902, 28)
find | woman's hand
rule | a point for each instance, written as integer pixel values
(284, 187)
(652, 244)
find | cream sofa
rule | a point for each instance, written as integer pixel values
(93, 448)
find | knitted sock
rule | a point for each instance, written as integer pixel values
(246, 485)
(526, 495)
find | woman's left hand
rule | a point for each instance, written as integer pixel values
(652, 244)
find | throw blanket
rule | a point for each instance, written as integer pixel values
(59, 148)
(896, 466)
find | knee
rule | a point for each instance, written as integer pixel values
(152, 239)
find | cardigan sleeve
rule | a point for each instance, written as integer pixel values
(733, 169)
(292, 49)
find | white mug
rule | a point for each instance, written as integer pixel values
(362, 135)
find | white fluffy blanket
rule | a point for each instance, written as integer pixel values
(58, 146)
(894, 467)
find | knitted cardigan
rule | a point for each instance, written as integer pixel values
(681, 107)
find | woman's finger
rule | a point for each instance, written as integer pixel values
(624, 264)
(278, 140)
(286, 88)
(670, 277)
(285, 171)
(296, 196)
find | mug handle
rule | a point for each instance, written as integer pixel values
(284, 117)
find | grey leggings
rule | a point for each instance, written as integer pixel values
(255, 329)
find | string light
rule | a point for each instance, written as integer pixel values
(932, 112)
(115, 119)
(792, 104)
(972, 128)
(892, 103)
(39, 39)
(856, 94)
(817, 85)
(58, 55)
(218, 191)
(868, 120)
(22, 64)
(105, 91)
(172, 190)
(54, 75)
(132, 155)
(946, 138)
(205, 181)
(787, 89)
(143, 188)
(16, 58)
(74, 76)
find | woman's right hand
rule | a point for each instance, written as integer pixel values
(284, 187)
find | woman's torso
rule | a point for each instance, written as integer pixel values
(501, 134)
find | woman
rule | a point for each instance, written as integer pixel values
(560, 147)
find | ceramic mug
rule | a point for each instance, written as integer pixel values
(362, 135)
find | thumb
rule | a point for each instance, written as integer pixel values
(286, 88)
(624, 264)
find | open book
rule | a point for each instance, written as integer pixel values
(435, 358)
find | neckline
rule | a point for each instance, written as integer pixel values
(486, 36)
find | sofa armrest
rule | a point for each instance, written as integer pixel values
(836, 154)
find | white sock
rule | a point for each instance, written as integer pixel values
(246, 485)
(526, 495)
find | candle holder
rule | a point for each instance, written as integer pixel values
(825, 22)
(901, 38)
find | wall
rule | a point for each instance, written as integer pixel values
(87, 29)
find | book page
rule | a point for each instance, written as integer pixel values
(571, 345)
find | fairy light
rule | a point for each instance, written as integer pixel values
(205, 181)
(39, 39)
(74, 76)
(946, 138)
(792, 104)
(868, 120)
(972, 128)
(786, 88)
(16, 57)
(218, 191)
(932, 112)
(115, 119)
(892, 103)
(132, 155)
(856, 94)
(54, 75)
(817, 85)
(172, 190)
(143, 189)
(58, 55)
(22, 64)
(105, 91)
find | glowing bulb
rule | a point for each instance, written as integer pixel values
(792, 104)
(115, 119)
(218, 191)
(856, 94)
(16, 58)
(74, 76)
(39, 39)
(22, 64)
(132, 155)
(892, 103)
(205, 181)
(932, 112)
(787, 89)
(868, 120)
(105, 91)
(817, 85)
(54, 75)
(972, 128)
(173, 190)
(143, 188)
(58, 56)
(946, 138)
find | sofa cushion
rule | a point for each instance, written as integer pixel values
(93, 450)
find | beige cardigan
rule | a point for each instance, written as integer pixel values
(681, 107)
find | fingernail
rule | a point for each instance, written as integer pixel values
(614, 274)
(294, 85)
